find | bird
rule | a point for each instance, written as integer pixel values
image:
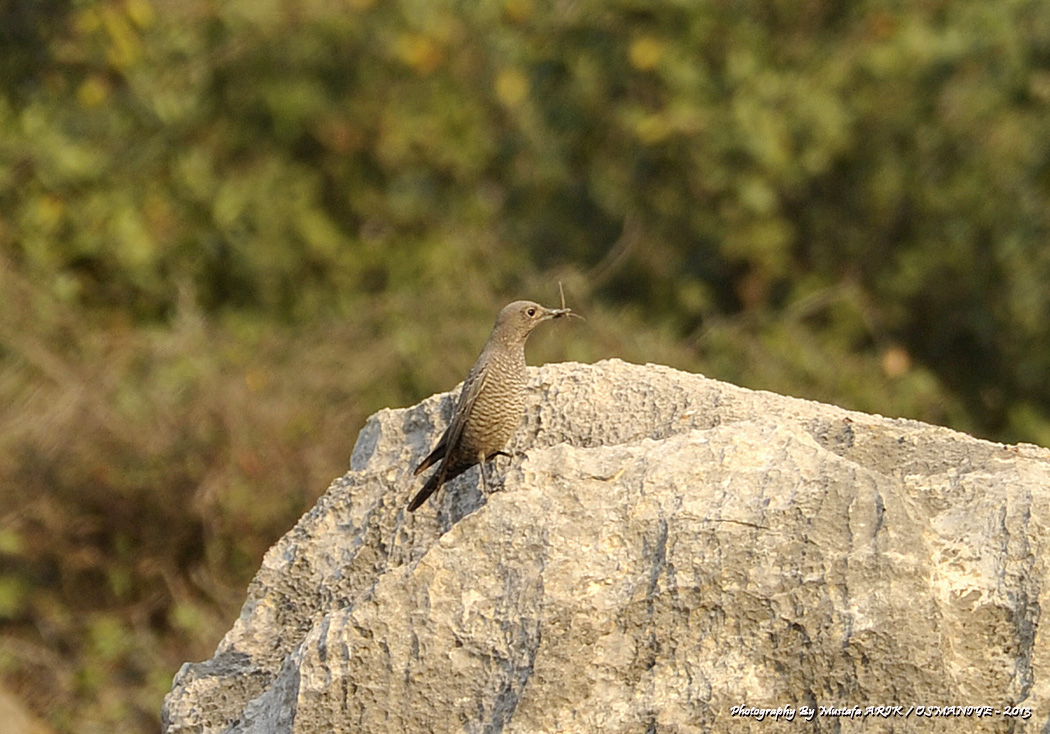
(491, 402)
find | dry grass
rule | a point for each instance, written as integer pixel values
(145, 473)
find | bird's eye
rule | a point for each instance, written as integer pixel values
(531, 312)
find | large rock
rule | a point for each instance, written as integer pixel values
(668, 548)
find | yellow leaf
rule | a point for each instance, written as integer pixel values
(93, 91)
(141, 13)
(518, 11)
(652, 129)
(512, 87)
(419, 52)
(646, 52)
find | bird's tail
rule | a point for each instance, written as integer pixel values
(428, 489)
(432, 458)
(445, 473)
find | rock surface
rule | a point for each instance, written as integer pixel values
(667, 548)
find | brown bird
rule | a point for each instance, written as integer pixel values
(492, 400)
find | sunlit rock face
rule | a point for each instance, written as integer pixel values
(663, 553)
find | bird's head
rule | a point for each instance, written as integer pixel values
(517, 320)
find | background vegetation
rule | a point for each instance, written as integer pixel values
(232, 229)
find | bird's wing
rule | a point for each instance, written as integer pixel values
(472, 387)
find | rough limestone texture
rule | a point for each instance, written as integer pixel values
(664, 548)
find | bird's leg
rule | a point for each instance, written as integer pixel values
(502, 453)
(481, 470)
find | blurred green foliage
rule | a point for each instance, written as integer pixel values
(231, 230)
